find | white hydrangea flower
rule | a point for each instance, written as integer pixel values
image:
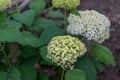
(90, 24)
(64, 51)
(4, 4)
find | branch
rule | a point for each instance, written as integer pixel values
(23, 5)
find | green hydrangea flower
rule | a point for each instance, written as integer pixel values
(65, 4)
(64, 50)
(4, 4)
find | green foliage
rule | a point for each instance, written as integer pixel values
(10, 33)
(37, 5)
(41, 23)
(1, 56)
(75, 12)
(12, 74)
(28, 72)
(102, 54)
(75, 74)
(85, 64)
(42, 76)
(26, 17)
(55, 14)
(43, 53)
(2, 66)
(29, 39)
(27, 51)
(29, 32)
(51, 32)
(99, 67)
(30, 61)
(27, 68)
(3, 76)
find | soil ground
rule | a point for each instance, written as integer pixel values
(110, 8)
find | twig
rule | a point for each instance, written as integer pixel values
(24, 4)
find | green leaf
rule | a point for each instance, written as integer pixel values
(28, 51)
(85, 64)
(75, 74)
(3, 66)
(30, 39)
(50, 33)
(42, 23)
(37, 5)
(75, 12)
(26, 17)
(3, 75)
(10, 32)
(42, 76)
(43, 53)
(1, 56)
(98, 66)
(12, 74)
(102, 54)
(55, 14)
(31, 61)
(28, 72)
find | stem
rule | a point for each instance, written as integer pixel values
(62, 75)
(65, 19)
(14, 56)
(24, 4)
(16, 3)
(5, 56)
(2, 18)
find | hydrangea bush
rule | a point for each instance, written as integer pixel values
(42, 39)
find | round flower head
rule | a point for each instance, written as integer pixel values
(90, 24)
(64, 50)
(4, 4)
(65, 4)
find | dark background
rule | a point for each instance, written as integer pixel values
(111, 8)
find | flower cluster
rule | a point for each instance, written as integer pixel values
(90, 24)
(64, 50)
(65, 4)
(4, 4)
